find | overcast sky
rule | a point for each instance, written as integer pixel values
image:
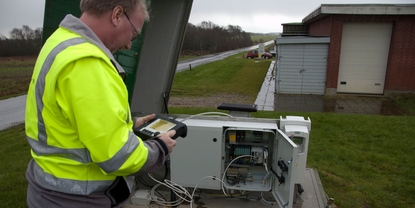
(260, 16)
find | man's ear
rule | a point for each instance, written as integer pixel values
(116, 15)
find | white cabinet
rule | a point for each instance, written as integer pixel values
(247, 154)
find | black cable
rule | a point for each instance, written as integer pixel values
(166, 170)
(281, 179)
(275, 173)
(144, 182)
(165, 95)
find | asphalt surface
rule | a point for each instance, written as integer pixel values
(188, 64)
(12, 111)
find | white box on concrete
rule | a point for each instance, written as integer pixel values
(141, 197)
(233, 149)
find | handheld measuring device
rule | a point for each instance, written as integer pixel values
(161, 124)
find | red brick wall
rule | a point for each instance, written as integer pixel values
(400, 75)
(321, 27)
(334, 26)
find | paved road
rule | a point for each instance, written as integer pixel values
(185, 65)
(12, 111)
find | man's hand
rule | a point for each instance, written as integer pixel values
(167, 139)
(142, 120)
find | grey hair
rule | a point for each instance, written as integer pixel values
(98, 7)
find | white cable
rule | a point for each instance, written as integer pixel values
(266, 159)
(161, 201)
(193, 193)
(224, 173)
(268, 203)
(208, 113)
(265, 177)
(176, 188)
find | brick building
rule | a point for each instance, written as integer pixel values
(370, 49)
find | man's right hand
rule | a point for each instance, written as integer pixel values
(166, 137)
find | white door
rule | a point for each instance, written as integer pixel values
(197, 156)
(364, 57)
(286, 154)
(301, 69)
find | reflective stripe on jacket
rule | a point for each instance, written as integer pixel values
(78, 120)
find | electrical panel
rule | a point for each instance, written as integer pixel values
(246, 154)
(246, 158)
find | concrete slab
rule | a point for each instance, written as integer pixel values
(265, 97)
(312, 197)
(347, 104)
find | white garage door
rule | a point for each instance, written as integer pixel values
(364, 57)
(301, 69)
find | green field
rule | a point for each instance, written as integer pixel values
(264, 38)
(15, 74)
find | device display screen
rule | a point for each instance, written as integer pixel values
(162, 125)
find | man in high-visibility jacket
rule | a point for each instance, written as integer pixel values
(78, 120)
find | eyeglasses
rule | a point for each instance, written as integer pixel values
(137, 34)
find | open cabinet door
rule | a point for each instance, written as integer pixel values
(283, 166)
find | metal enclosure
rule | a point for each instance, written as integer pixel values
(159, 55)
(215, 146)
(286, 151)
(298, 130)
(199, 154)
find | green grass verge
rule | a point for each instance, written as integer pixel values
(234, 74)
(14, 156)
(264, 38)
(15, 77)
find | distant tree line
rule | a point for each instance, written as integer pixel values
(207, 38)
(22, 42)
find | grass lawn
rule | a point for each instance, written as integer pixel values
(234, 74)
(15, 75)
(14, 156)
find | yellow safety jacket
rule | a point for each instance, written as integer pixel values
(78, 120)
